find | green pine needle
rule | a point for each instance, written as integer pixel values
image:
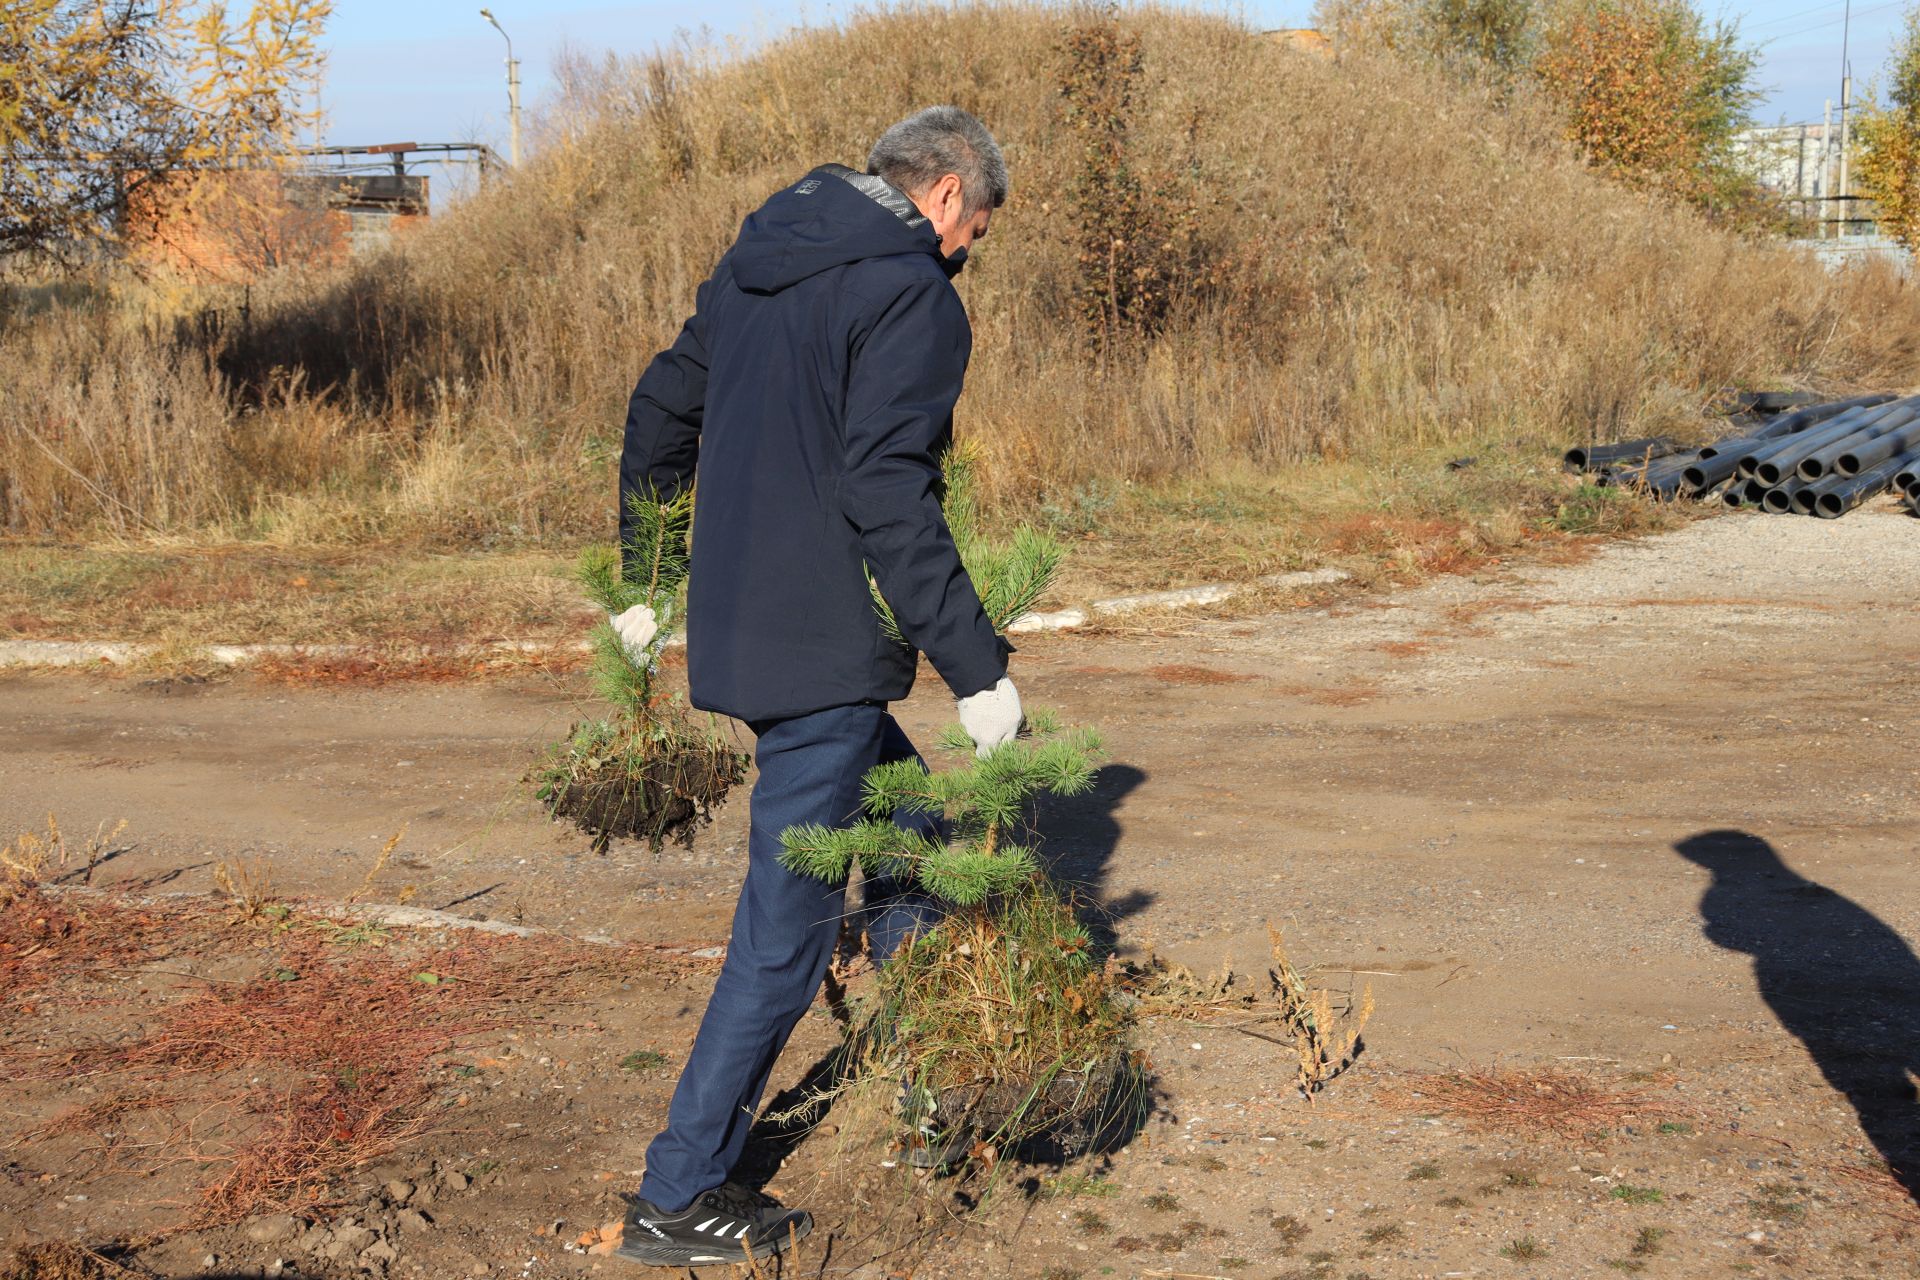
(659, 547)
(900, 784)
(650, 572)
(968, 876)
(1008, 577)
(977, 797)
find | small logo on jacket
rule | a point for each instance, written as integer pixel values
(808, 187)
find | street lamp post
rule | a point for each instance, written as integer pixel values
(513, 91)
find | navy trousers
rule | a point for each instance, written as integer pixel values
(784, 931)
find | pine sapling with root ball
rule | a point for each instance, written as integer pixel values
(999, 1025)
(651, 769)
(997, 1029)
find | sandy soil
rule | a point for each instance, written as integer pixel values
(1649, 817)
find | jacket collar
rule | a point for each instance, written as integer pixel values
(895, 201)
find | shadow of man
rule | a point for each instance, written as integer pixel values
(1082, 835)
(1835, 975)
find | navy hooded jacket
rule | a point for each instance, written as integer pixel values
(812, 393)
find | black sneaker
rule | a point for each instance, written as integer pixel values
(728, 1224)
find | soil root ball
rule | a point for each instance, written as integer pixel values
(611, 784)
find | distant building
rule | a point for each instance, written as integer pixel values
(236, 225)
(1798, 161)
(1801, 164)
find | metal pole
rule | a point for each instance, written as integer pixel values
(513, 108)
(1846, 100)
(1826, 165)
(513, 91)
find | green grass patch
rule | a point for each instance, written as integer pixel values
(1525, 1249)
(643, 1060)
(1067, 1185)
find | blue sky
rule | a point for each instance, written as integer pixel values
(432, 71)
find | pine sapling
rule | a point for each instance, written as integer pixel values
(651, 769)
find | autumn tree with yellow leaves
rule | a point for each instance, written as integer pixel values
(100, 99)
(1888, 170)
(1654, 94)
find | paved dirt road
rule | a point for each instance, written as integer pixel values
(1654, 811)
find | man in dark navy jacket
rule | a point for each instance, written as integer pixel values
(811, 395)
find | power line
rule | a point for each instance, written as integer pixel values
(1834, 22)
(1789, 17)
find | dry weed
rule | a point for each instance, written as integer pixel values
(1324, 1040)
(451, 390)
(373, 667)
(314, 1066)
(1187, 673)
(29, 857)
(249, 887)
(1562, 1102)
(379, 865)
(47, 940)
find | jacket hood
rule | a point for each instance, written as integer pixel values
(831, 217)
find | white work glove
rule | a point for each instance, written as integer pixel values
(636, 628)
(992, 716)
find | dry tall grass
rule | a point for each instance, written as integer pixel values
(1375, 259)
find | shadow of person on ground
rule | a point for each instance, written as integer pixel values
(1833, 973)
(1080, 836)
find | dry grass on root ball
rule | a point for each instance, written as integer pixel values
(1007, 1030)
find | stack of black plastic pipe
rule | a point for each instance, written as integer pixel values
(1822, 460)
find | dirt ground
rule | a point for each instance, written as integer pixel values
(1648, 818)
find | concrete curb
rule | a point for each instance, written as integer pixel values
(1180, 598)
(81, 653)
(391, 915)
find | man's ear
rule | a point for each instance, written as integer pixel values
(952, 193)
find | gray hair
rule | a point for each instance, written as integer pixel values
(930, 144)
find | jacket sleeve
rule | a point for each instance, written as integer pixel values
(664, 415)
(907, 367)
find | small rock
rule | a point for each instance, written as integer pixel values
(401, 1191)
(211, 1261)
(478, 1269)
(456, 1180)
(1756, 1236)
(275, 1269)
(272, 1228)
(352, 1239)
(412, 1220)
(378, 1253)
